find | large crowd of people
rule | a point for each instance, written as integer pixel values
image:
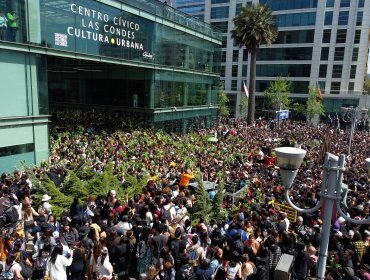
(153, 235)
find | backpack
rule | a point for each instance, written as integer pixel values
(167, 214)
(270, 226)
(193, 255)
(6, 273)
(220, 272)
(175, 247)
(141, 250)
(42, 261)
(187, 273)
(11, 215)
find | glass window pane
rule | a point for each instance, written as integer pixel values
(322, 71)
(324, 53)
(330, 3)
(219, 12)
(339, 53)
(357, 36)
(353, 72)
(335, 88)
(234, 85)
(328, 18)
(355, 54)
(337, 71)
(341, 35)
(343, 18)
(359, 18)
(345, 3)
(234, 70)
(326, 36)
(235, 55)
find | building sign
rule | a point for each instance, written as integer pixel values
(91, 27)
(104, 28)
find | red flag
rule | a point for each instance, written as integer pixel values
(245, 90)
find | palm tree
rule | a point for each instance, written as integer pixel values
(255, 25)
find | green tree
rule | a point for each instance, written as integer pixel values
(203, 205)
(277, 94)
(299, 110)
(367, 86)
(243, 106)
(313, 106)
(223, 109)
(218, 212)
(255, 25)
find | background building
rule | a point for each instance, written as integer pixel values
(324, 41)
(136, 57)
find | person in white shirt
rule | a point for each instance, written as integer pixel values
(46, 206)
(12, 268)
(104, 267)
(58, 264)
(3, 25)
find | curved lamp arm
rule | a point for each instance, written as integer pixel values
(348, 219)
(340, 211)
(305, 211)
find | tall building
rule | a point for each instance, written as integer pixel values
(319, 41)
(137, 58)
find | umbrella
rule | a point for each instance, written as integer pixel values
(212, 139)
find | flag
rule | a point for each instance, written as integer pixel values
(319, 95)
(245, 90)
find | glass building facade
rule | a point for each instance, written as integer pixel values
(323, 42)
(135, 56)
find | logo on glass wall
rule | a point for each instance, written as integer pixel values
(104, 28)
(61, 40)
(148, 55)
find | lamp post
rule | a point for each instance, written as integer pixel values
(289, 159)
(350, 115)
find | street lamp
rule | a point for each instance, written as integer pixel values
(289, 160)
(350, 115)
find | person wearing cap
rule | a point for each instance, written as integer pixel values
(45, 205)
(112, 199)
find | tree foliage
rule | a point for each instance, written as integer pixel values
(218, 212)
(367, 85)
(255, 25)
(203, 205)
(277, 94)
(243, 106)
(313, 106)
(223, 109)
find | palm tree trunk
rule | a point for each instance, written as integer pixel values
(252, 88)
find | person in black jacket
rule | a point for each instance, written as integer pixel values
(121, 257)
(301, 262)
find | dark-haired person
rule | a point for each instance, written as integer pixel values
(77, 267)
(26, 265)
(58, 264)
(301, 262)
(121, 256)
(177, 247)
(12, 268)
